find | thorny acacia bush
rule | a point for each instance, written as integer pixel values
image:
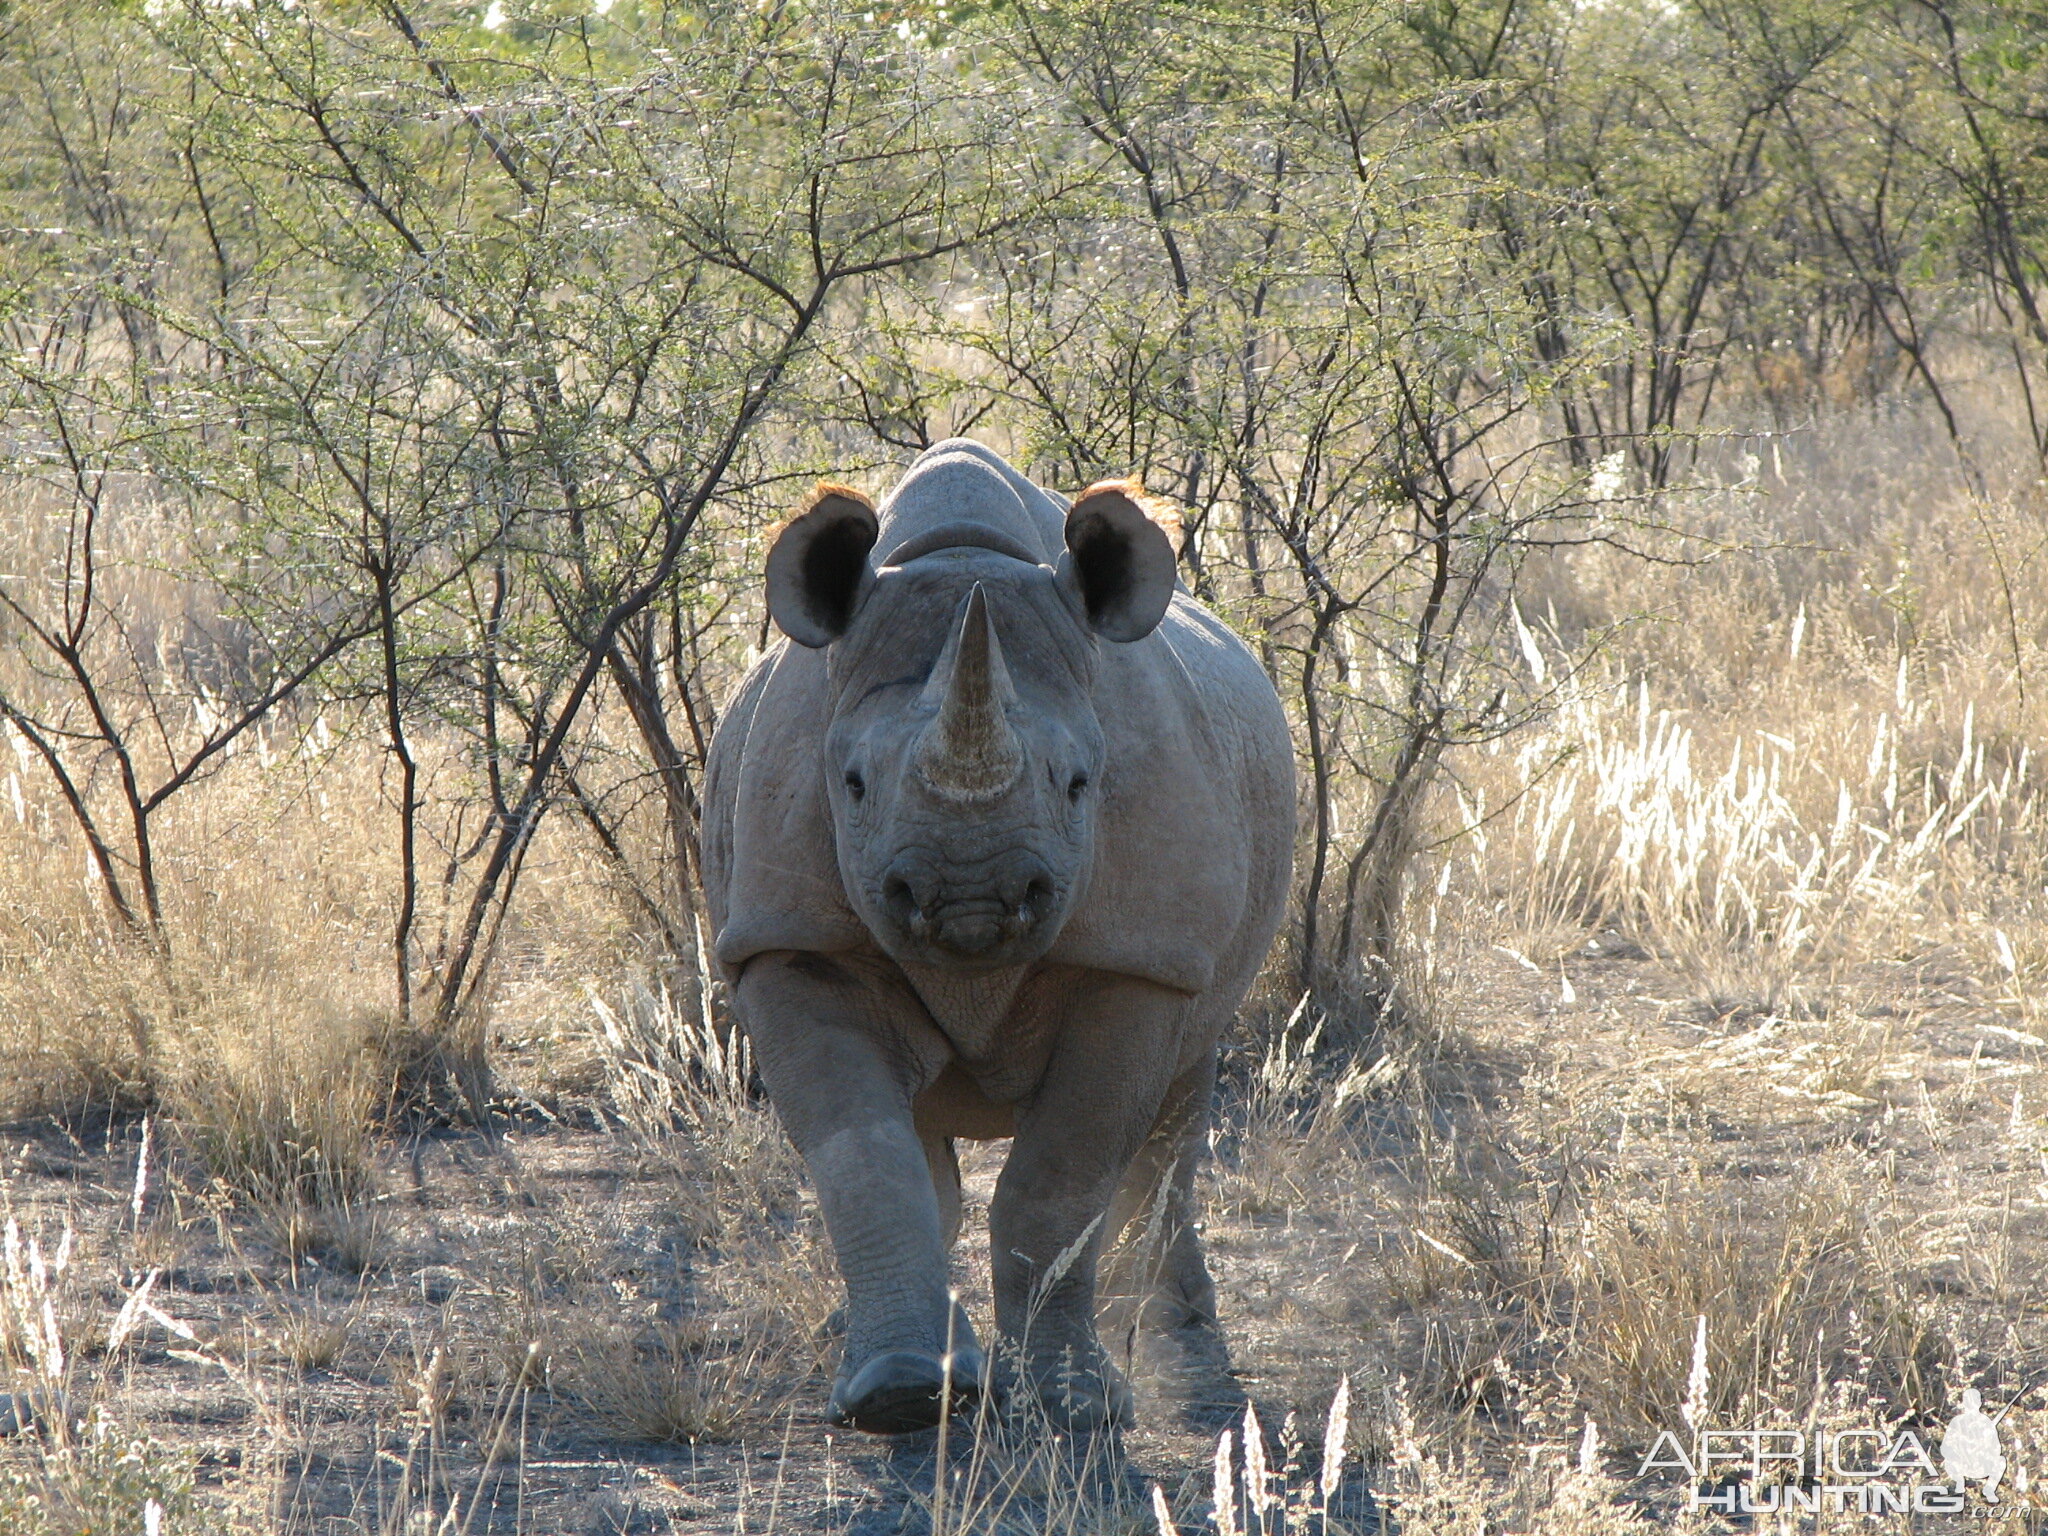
(435, 373)
(411, 408)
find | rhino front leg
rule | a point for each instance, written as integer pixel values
(1093, 1110)
(843, 1084)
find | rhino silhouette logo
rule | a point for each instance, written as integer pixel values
(1969, 1447)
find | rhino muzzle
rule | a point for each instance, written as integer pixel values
(972, 922)
(969, 753)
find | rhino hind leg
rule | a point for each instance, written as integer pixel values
(944, 1161)
(1158, 1310)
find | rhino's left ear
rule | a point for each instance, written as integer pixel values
(1119, 562)
(818, 566)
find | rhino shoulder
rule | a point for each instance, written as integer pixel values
(769, 863)
(1195, 842)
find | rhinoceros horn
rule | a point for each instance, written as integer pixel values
(969, 751)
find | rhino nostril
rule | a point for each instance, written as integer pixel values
(901, 902)
(1037, 899)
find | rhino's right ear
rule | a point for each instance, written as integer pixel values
(818, 566)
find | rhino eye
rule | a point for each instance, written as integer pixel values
(1076, 785)
(856, 786)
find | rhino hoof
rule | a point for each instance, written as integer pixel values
(1079, 1405)
(901, 1391)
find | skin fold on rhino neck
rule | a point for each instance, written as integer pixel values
(969, 1007)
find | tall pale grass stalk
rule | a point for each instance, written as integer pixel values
(1798, 853)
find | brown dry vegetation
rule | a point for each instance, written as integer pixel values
(1717, 1000)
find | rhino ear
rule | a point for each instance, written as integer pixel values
(818, 566)
(1119, 562)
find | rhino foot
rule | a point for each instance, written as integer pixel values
(1079, 1402)
(1187, 1369)
(902, 1391)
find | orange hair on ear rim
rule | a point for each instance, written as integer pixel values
(827, 488)
(1157, 509)
(822, 492)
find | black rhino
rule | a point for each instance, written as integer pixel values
(994, 845)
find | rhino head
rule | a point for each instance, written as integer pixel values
(964, 759)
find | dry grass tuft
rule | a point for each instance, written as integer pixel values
(312, 1335)
(280, 1120)
(1784, 765)
(1766, 871)
(682, 1085)
(684, 1382)
(1292, 1110)
(1797, 1289)
(757, 1328)
(83, 1472)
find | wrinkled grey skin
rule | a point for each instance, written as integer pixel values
(1035, 926)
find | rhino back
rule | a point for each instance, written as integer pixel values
(960, 484)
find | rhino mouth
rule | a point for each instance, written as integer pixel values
(972, 927)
